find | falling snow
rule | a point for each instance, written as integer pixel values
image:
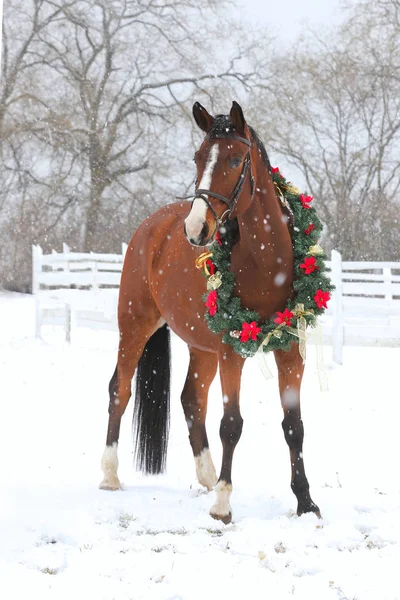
(280, 279)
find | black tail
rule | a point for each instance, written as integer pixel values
(151, 414)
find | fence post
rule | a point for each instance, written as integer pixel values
(37, 254)
(337, 309)
(95, 283)
(124, 249)
(387, 280)
(66, 250)
(68, 320)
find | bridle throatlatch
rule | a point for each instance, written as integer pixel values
(232, 201)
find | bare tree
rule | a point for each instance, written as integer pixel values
(127, 66)
(96, 100)
(336, 117)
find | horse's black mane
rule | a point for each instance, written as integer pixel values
(261, 148)
(223, 127)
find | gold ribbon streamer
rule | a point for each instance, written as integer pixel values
(321, 369)
(261, 355)
(301, 333)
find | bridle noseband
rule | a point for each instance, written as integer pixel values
(232, 201)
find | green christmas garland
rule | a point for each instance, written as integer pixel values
(242, 328)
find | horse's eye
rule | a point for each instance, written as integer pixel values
(235, 162)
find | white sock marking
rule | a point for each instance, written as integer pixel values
(222, 507)
(109, 465)
(205, 469)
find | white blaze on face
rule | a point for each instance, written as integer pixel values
(197, 217)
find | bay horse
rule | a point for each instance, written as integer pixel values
(161, 290)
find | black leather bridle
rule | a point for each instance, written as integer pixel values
(232, 201)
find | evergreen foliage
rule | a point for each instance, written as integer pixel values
(225, 313)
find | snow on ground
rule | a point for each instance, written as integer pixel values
(61, 537)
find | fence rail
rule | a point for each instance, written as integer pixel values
(365, 307)
(56, 273)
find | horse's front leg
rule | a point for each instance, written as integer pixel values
(290, 373)
(230, 367)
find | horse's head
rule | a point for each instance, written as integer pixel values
(224, 180)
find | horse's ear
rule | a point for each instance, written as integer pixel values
(237, 118)
(203, 119)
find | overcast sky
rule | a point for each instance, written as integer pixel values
(287, 17)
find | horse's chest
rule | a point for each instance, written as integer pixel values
(264, 288)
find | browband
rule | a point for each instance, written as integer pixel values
(231, 137)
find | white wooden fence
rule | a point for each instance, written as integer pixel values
(365, 307)
(55, 278)
(364, 310)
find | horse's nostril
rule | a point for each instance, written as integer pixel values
(204, 231)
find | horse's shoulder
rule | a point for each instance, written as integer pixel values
(167, 214)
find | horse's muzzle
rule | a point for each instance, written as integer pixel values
(202, 239)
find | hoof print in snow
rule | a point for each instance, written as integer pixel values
(280, 548)
(49, 571)
(196, 492)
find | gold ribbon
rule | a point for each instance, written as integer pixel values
(286, 187)
(300, 332)
(214, 281)
(292, 189)
(201, 262)
(261, 356)
(321, 369)
(315, 250)
(280, 194)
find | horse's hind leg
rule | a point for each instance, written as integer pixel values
(133, 338)
(109, 461)
(202, 369)
(290, 372)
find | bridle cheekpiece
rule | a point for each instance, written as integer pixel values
(232, 201)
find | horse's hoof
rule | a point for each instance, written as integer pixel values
(309, 508)
(226, 519)
(110, 485)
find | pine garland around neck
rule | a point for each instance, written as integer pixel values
(242, 328)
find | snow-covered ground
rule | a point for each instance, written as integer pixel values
(61, 537)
